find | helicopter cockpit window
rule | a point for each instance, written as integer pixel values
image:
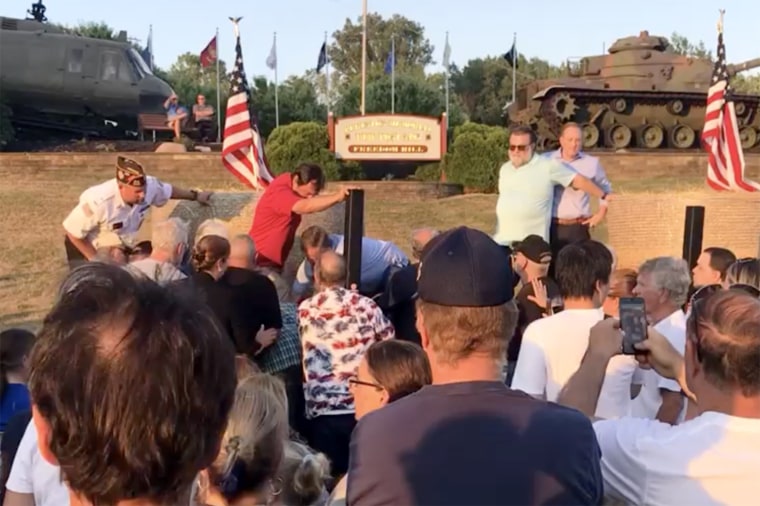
(142, 67)
(113, 67)
(75, 60)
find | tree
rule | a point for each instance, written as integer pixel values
(188, 79)
(681, 45)
(297, 100)
(484, 85)
(413, 49)
(414, 95)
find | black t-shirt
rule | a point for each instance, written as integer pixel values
(529, 312)
(474, 443)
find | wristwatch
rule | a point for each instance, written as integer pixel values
(194, 194)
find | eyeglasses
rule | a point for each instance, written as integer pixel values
(519, 147)
(707, 290)
(355, 381)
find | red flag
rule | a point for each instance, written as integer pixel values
(208, 55)
(720, 134)
(242, 149)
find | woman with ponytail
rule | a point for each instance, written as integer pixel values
(15, 345)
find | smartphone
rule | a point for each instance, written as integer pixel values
(633, 322)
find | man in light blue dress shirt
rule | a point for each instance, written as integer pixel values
(526, 190)
(572, 218)
(378, 258)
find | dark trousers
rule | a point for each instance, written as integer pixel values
(205, 130)
(74, 257)
(562, 235)
(331, 435)
(293, 379)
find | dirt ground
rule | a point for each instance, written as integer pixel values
(32, 207)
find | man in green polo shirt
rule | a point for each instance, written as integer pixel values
(526, 189)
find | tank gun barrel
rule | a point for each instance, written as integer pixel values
(735, 68)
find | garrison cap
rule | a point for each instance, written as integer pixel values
(130, 172)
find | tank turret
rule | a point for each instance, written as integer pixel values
(642, 94)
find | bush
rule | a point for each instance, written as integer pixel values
(300, 142)
(428, 172)
(7, 134)
(475, 156)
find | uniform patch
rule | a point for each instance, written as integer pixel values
(87, 211)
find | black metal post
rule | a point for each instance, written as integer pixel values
(353, 234)
(692, 234)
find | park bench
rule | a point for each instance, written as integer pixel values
(157, 123)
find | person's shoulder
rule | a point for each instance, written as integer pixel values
(381, 424)
(101, 192)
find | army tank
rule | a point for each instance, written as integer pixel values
(641, 95)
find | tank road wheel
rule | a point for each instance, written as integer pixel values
(619, 136)
(748, 137)
(676, 107)
(619, 105)
(740, 108)
(651, 136)
(590, 135)
(682, 137)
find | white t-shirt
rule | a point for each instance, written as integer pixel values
(32, 474)
(647, 403)
(712, 459)
(551, 352)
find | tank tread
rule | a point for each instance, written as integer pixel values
(691, 100)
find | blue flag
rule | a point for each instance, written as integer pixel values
(390, 62)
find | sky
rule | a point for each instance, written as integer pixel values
(553, 30)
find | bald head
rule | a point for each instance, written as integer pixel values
(330, 269)
(420, 238)
(242, 252)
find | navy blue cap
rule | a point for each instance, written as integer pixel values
(465, 267)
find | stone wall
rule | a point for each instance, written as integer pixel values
(642, 226)
(206, 169)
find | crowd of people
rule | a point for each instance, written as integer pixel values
(482, 370)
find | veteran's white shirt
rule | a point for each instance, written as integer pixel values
(101, 211)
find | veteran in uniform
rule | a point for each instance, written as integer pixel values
(118, 207)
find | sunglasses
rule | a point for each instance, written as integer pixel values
(519, 147)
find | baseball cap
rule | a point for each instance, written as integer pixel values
(465, 267)
(535, 249)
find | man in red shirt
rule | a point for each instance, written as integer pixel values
(279, 210)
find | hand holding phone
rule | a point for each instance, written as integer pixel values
(633, 323)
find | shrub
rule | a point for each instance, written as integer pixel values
(428, 172)
(475, 156)
(299, 142)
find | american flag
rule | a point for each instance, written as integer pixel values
(242, 149)
(720, 135)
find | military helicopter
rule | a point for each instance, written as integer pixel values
(58, 81)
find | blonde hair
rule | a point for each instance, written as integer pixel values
(744, 271)
(273, 385)
(302, 475)
(456, 332)
(213, 226)
(245, 367)
(253, 444)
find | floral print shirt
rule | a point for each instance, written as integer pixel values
(337, 326)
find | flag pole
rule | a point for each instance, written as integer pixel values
(364, 56)
(514, 68)
(150, 47)
(276, 86)
(218, 92)
(446, 74)
(327, 77)
(393, 74)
